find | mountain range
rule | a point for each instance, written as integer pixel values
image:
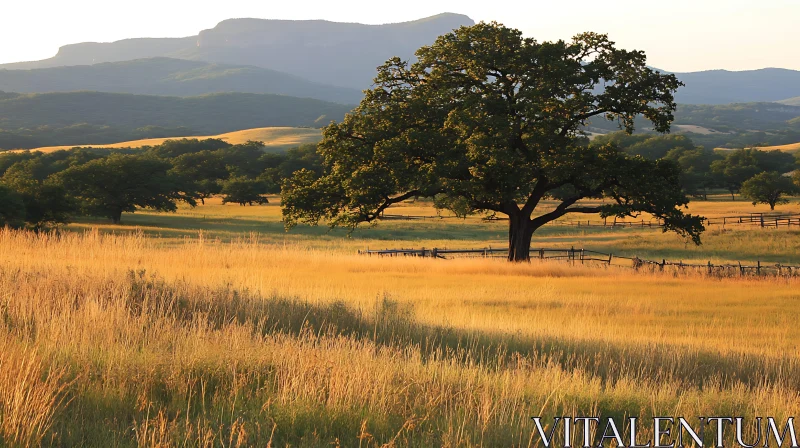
(247, 73)
(723, 86)
(168, 76)
(341, 54)
(309, 58)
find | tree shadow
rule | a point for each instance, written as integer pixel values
(391, 324)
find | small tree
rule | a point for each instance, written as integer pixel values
(489, 121)
(244, 191)
(740, 165)
(768, 188)
(121, 183)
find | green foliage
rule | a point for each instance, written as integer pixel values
(493, 120)
(695, 164)
(278, 167)
(45, 201)
(244, 191)
(768, 188)
(120, 183)
(12, 208)
(649, 146)
(178, 147)
(740, 165)
(54, 186)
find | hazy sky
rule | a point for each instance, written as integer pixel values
(678, 35)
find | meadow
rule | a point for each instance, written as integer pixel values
(214, 327)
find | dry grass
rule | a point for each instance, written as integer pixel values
(30, 394)
(244, 343)
(788, 148)
(274, 138)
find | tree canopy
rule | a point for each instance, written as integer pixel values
(492, 121)
(768, 187)
(120, 183)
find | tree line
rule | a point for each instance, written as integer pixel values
(44, 189)
(763, 177)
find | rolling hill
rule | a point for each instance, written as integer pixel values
(343, 54)
(167, 76)
(792, 147)
(791, 101)
(274, 138)
(35, 120)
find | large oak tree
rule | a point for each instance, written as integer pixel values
(490, 121)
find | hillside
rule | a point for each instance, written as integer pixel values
(166, 76)
(274, 138)
(35, 120)
(343, 54)
(792, 147)
(723, 87)
(791, 101)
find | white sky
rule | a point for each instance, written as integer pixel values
(677, 35)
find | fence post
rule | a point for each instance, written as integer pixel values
(609, 259)
(663, 263)
(435, 253)
(581, 256)
(741, 269)
(541, 254)
(762, 220)
(709, 267)
(758, 267)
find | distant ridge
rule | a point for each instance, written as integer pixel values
(342, 54)
(167, 76)
(724, 87)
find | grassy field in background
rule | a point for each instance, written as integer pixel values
(214, 327)
(274, 138)
(227, 222)
(788, 148)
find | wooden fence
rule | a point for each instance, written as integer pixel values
(585, 256)
(765, 220)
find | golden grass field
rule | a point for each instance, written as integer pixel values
(789, 147)
(155, 333)
(274, 138)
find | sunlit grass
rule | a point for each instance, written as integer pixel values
(203, 342)
(733, 243)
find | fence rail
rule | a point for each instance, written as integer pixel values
(764, 220)
(584, 256)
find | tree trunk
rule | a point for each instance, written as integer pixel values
(116, 216)
(520, 232)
